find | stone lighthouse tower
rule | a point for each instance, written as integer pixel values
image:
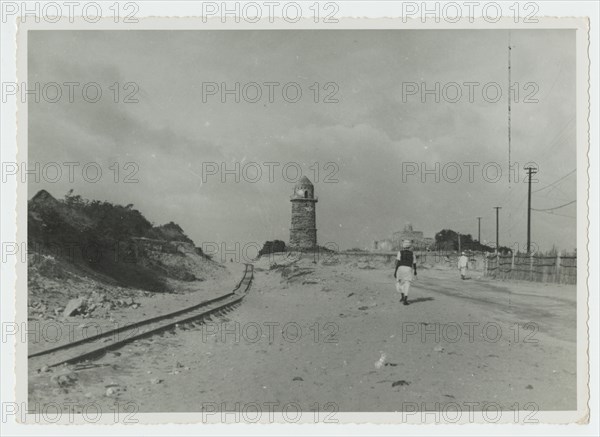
(303, 233)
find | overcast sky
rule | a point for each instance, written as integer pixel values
(368, 134)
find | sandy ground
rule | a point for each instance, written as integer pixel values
(336, 338)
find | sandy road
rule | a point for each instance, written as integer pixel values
(315, 341)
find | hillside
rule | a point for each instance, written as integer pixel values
(104, 252)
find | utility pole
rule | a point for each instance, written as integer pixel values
(530, 172)
(479, 230)
(497, 208)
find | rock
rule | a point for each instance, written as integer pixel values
(379, 363)
(156, 381)
(529, 387)
(74, 306)
(64, 379)
(438, 349)
(297, 378)
(401, 383)
(114, 390)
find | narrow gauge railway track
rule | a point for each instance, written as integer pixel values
(97, 345)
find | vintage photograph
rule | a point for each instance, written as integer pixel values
(306, 225)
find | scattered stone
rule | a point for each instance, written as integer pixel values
(351, 294)
(438, 349)
(391, 364)
(156, 381)
(529, 387)
(64, 379)
(297, 378)
(179, 365)
(363, 308)
(112, 391)
(74, 307)
(379, 363)
(401, 383)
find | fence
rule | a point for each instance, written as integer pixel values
(537, 268)
(431, 258)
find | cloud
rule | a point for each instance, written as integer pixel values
(362, 141)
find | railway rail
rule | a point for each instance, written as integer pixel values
(97, 345)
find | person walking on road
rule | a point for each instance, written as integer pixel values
(463, 265)
(406, 270)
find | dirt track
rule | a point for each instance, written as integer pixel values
(318, 339)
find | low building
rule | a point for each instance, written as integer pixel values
(419, 241)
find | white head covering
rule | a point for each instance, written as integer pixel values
(406, 244)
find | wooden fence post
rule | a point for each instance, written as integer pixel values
(558, 267)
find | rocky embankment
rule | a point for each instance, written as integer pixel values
(90, 258)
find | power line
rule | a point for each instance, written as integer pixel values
(556, 193)
(556, 207)
(555, 141)
(555, 182)
(557, 214)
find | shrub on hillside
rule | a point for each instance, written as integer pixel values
(272, 247)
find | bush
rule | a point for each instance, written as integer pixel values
(272, 247)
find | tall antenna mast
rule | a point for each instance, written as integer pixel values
(509, 101)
